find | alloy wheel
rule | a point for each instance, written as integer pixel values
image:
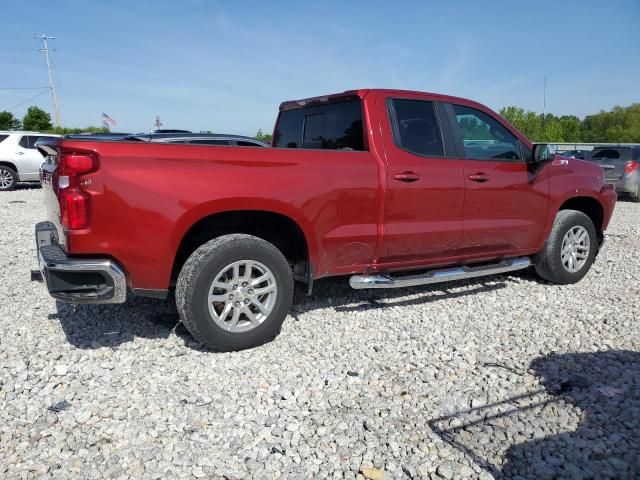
(6, 178)
(575, 249)
(242, 295)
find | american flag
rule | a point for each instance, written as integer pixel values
(106, 120)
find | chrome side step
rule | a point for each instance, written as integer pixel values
(435, 276)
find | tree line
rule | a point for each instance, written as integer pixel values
(619, 125)
(37, 120)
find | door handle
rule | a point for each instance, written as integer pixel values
(20, 153)
(407, 176)
(479, 177)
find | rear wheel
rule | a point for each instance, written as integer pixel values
(8, 178)
(234, 292)
(570, 249)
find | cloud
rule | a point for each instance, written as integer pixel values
(458, 63)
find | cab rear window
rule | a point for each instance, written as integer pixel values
(333, 126)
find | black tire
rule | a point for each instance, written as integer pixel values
(635, 197)
(549, 264)
(202, 267)
(11, 173)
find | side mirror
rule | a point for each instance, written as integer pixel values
(543, 152)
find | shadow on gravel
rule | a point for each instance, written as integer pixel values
(625, 198)
(27, 186)
(95, 326)
(604, 386)
(336, 293)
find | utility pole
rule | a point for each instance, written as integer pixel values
(158, 123)
(544, 108)
(45, 50)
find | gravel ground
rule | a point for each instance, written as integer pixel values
(504, 377)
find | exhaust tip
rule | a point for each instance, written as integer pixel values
(36, 276)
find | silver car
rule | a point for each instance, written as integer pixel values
(19, 159)
(621, 165)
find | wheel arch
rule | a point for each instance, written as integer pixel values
(11, 165)
(590, 206)
(274, 226)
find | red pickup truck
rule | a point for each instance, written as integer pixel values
(367, 183)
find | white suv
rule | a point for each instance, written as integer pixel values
(19, 159)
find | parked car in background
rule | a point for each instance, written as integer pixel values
(100, 136)
(579, 154)
(201, 139)
(621, 166)
(169, 130)
(19, 159)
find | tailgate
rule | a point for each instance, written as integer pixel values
(613, 168)
(49, 181)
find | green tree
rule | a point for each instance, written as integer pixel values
(571, 128)
(36, 119)
(67, 130)
(621, 124)
(527, 122)
(8, 121)
(263, 137)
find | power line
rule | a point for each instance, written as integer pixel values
(28, 100)
(24, 88)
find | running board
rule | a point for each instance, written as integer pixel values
(436, 276)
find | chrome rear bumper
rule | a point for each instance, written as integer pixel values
(77, 280)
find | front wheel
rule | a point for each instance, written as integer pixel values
(234, 292)
(570, 249)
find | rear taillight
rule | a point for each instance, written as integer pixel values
(631, 166)
(74, 201)
(74, 164)
(74, 209)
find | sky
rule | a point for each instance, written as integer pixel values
(225, 66)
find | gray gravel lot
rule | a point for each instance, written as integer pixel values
(504, 377)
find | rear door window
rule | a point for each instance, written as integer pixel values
(609, 153)
(3, 137)
(415, 127)
(485, 138)
(334, 126)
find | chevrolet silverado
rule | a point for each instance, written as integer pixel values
(393, 188)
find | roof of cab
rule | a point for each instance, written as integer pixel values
(363, 92)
